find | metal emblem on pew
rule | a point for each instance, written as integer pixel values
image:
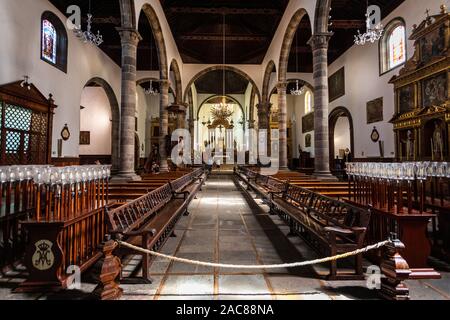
(43, 257)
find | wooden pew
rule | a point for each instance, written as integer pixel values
(149, 220)
(328, 225)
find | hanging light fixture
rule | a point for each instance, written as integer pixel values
(222, 110)
(151, 91)
(87, 36)
(373, 32)
(298, 91)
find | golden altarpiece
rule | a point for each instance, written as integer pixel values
(422, 119)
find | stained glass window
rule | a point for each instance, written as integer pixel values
(308, 102)
(396, 45)
(49, 41)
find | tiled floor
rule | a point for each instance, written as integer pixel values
(224, 226)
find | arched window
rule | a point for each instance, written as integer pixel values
(393, 46)
(53, 41)
(308, 102)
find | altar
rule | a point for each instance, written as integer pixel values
(422, 118)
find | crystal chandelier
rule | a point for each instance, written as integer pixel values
(373, 32)
(87, 36)
(151, 91)
(298, 91)
(222, 110)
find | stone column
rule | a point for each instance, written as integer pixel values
(264, 121)
(263, 115)
(282, 124)
(163, 124)
(319, 44)
(129, 40)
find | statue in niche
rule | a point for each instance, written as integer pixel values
(409, 145)
(437, 143)
(347, 155)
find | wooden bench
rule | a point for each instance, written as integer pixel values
(328, 225)
(148, 221)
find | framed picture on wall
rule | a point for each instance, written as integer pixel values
(375, 110)
(85, 138)
(336, 84)
(308, 123)
(308, 141)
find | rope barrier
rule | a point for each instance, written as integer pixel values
(270, 266)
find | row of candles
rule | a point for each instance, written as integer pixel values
(392, 186)
(45, 174)
(54, 193)
(399, 171)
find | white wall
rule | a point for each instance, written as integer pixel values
(364, 83)
(96, 118)
(20, 27)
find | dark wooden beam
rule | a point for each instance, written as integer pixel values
(227, 11)
(338, 24)
(208, 37)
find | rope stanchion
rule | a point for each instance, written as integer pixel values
(270, 266)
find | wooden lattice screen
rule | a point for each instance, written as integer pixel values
(26, 125)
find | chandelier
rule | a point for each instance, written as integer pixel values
(87, 36)
(151, 91)
(373, 32)
(222, 111)
(298, 91)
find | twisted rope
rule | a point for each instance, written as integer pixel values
(270, 266)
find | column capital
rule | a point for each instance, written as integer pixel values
(165, 84)
(129, 35)
(282, 86)
(320, 40)
(264, 105)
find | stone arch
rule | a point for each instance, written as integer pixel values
(322, 15)
(287, 43)
(159, 39)
(115, 114)
(128, 18)
(177, 74)
(332, 120)
(228, 68)
(270, 68)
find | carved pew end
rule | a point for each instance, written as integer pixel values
(396, 271)
(108, 288)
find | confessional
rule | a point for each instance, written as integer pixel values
(26, 124)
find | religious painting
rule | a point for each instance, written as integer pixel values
(308, 141)
(85, 138)
(336, 85)
(308, 123)
(432, 45)
(375, 110)
(406, 95)
(435, 90)
(49, 40)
